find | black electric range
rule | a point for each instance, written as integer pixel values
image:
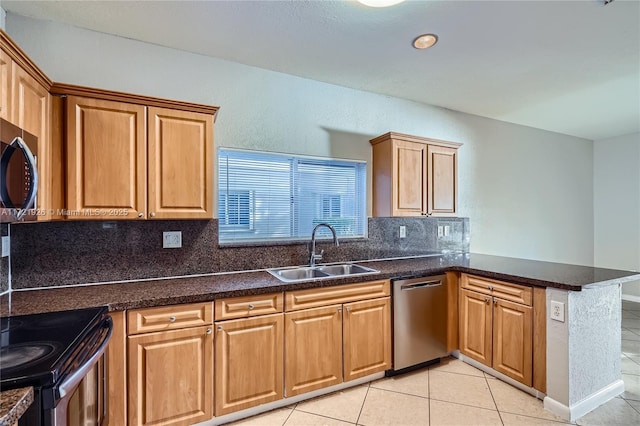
(51, 352)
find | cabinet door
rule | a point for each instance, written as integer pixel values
(106, 159)
(171, 377)
(475, 326)
(366, 332)
(313, 349)
(30, 107)
(180, 164)
(5, 86)
(442, 184)
(512, 339)
(409, 171)
(249, 362)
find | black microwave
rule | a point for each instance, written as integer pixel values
(18, 174)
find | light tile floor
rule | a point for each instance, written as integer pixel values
(454, 393)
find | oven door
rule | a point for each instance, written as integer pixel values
(18, 174)
(81, 395)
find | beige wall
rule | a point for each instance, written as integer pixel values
(528, 193)
(616, 189)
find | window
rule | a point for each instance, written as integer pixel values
(266, 196)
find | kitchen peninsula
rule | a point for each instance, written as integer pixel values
(582, 369)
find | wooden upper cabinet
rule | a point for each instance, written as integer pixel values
(5, 85)
(180, 154)
(414, 176)
(442, 181)
(106, 159)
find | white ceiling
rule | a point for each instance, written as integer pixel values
(567, 66)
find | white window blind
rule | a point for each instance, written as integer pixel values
(267, 196)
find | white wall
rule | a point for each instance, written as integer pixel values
(3, 16)
(528, 193)
(616, 188)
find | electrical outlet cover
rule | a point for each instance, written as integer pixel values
(557, 311)
(172, 239)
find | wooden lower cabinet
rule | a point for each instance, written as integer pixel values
(248, 362)
(171, 377)
(512, 340)
(366, 333)
(313, 349)
(497, 333)
(475, 326)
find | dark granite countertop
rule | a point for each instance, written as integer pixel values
(13, 404)
(129, 295)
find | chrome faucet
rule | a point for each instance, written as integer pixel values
(314, 256)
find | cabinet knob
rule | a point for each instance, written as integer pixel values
(348, 309)
(172, 319)
(495, 301)
(486, 300)
(339, 309)
(219, 328)
(140, 215)
(209, 331)
(152, 214)
(251, 306)
(490, 288)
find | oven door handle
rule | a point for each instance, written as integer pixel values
(74, 379)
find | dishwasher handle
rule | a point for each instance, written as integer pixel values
(422, 284)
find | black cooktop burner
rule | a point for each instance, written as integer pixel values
(22, 355)
(36, 350)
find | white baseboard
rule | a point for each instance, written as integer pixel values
(586, 405)
(630, 298)
(531, 391)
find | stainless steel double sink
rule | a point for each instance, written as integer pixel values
(303, 273)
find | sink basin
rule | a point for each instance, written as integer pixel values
(303, 273)
(298, 274)
(347, 269)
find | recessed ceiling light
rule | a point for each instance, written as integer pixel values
(425, 41)
(380, 3)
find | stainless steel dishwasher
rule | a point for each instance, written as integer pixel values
(419, 321)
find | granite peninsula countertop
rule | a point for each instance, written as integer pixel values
(13, 404)
(192, 289)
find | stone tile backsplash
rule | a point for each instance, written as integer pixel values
(74, 252)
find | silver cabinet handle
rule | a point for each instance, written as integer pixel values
(339, 309)
(140, 215)
(348, 309)
(495, 301)
(219, 328)
(490, 288)
(152, 214)
(486, 300)
(208, 331)
(172, 319)
(251, 306)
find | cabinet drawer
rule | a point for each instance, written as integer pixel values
(315, 297)
(507, 291)
(169, 317)
(248, 306)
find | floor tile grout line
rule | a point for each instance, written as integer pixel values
(400, 393)
(493, 398)
(290, 413)
(364, 400)
(325, 416)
